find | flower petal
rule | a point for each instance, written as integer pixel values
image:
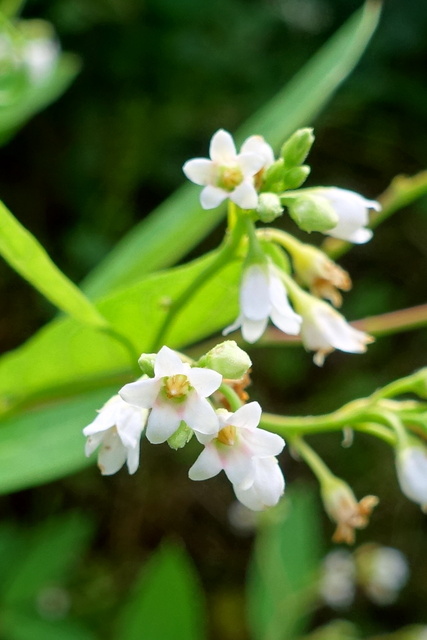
(199, 170)
(142, 393)
(207, 465)
(238, 465)
(212, 197)
(252, 330)
(131, 426)
(93, 441)
(250, 163)
(163, 421)
(257, 144)
(112, 454)
(222, 149)
(133, 459)
(247, 417)
(263, 443)
(168, 363)
(267, 488)
(245, 195)
(254, 293)
(232, 327)
(199, 415)
(205, 381)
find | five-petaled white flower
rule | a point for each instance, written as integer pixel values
(117, 431)
(246, 454)
(263, 296)
(411, 466)
(177, 393)
(227, 174)
(323, 329)
(352, 210)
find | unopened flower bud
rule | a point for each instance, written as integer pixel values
(146, 362)
(411, 467)
(182, 435)
(273, 177)
(297, 147)
(312, 213)
(269, 207)
(295, 177)
(227, 359)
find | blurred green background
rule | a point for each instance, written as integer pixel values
(157, 79)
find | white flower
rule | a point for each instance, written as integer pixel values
(257, 144)
(411, 466)
(246, 454)
(227, 174)
(337, 582)
(352, 210)
(263, 296)
(117, 431)
(323, 329)
(382, 572)
(176, 393)
(41, 57)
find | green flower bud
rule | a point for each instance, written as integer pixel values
(295, 177)
(146, 362)
(181, 437)
(228, 359)
(312, 213)
(420, 383)
(272, 180)
(269, 207)
(297, 147)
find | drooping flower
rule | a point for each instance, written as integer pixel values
(177, 393)
(381, 571)
(323, 329)
(227, 174)
(263, 296)
(352, 210)
(338, 579)
(343, 508)
(116, 431)
(411, 467)
(247, 456)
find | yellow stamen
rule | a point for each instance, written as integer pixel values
(227, 435)
(177, 386)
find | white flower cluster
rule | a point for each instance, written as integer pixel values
(178, 394)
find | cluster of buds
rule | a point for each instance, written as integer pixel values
(262, 187)
(173, 401)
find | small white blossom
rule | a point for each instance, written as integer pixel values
(116, 431)
(352, 210)
(411, 466)
(41, 57)
(263, 296)
(227, 174)
(177, 393)
(382, 572)
(337, 581)
(246, 454)
(257, 144)
(323, 329)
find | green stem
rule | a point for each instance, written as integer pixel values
(231, 397)
(313, 460)
(221, 260)
(286, 240)
(128, 345)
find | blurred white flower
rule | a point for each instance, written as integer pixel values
(247, 456)
(227, 174)
(177, 393)
(40, 57)
(337, 580)
(263, 296)
(116, 431)
(411, 467)
(382, 572)
(352, 210)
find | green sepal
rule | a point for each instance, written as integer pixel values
(311, 213)
(181, 437)
(146, 362)
(227, 359)
(295, 177)
(297, 147)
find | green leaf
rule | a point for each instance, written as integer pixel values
(47, 443)
(26, 255)
(180, 223)
(38, 96)
(167, 602)
(69, 353)
(16, 625)
(282, 577)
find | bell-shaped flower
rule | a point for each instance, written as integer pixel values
(246, 454)
(343, 508)
(227, 174)
(177, 393)
(411, 467)
(263, 296)
(323, 329)
(352, 210)
(116, 431)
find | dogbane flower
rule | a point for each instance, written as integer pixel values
(246, 454)
(352, 210)
(323, 329)
(177, 393)
(116, 431)
(263, 296)
(411, 467)
(227, 174)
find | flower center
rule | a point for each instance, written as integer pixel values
(177, 387)
(229, 177)
(227, 435)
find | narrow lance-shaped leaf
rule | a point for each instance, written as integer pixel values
(25, 254)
